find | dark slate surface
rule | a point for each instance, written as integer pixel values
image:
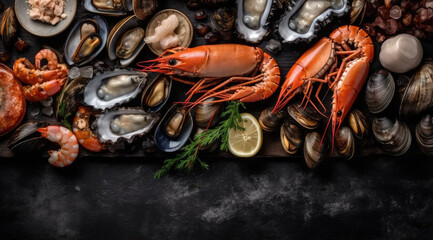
(271, 198)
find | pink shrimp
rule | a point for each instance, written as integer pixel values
(48, 55)
(68, 151)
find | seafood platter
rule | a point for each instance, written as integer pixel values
(185, 81)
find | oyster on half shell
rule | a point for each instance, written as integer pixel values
(252, 19)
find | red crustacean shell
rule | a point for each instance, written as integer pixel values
(12, 101)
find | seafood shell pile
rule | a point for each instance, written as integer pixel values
(347, 95)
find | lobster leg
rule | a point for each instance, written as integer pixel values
(343, 63)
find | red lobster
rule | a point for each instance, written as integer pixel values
(320, 64)
(227, 71)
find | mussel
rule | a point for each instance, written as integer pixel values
(86, 40)
(9, 27)
(358, 123)
(112, 88)
(70, 98)
(424, 134)
(144, 8)
(393, 135)
(86, 47)
(315, 151)
(107, 7)
(124, 124)
(174, 129)
(291, 137)
(269, 121)
(252, 19)
(418, 95)
(308, 117)
(207, 115)
(126, 40)
(345, 142)
(26, 140)
(156, 93)
(304, 16)
(380, 91)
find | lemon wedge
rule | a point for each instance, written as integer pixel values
(246, 143)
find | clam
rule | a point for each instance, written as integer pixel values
(144, 8)
(86, 47)
(291, 137)
(112, 88)
(345, 142)
(393, 135)
(26, 140)
(269, 121)
(314, 150)
(418, 95)
(303, 18)
(124, 124)
(174, 129)
(252, 19)
(9, 27)
(379, 91)
(106, 7)
(156, 93)
(308, 117)
(424, 134)
(126, 40)
(207, 115)
(86, 40)
(358, 123)
(70, 98)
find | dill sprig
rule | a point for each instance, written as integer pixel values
(189, 155)
(64, 116)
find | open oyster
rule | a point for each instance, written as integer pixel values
(253, 17)
(304, 16)
(126, 40)
(113, 88)
(124, 124)
(86, 40)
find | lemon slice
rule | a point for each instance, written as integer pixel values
(246, 143)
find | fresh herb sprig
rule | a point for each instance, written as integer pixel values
(64, 116)
(187, 158)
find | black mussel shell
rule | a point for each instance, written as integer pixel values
(157, 93)
(26, 140)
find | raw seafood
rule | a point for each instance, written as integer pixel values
(164, 33)
(48, 11)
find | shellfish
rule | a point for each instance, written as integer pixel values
(424, 134)
(113, 88)
(393, 135)
(269, 121)
(107, 7)
(380, 91)
(252, 19)
(156, 93)
(124, 124)
(291, 137)
(358, 123)
(345, 142)
(9, 27)
(308, 118)
(207, 115)
(314, 150)
(26, 139)
(86, 47)
(302, 19)
(144, 8)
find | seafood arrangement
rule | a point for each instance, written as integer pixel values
(354, 91)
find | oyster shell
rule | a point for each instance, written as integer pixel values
(393, 135)
(171, 144)
(156, 93)
(418, 95)
(379, 91)
(424, 134)
(113, 88)
(129, 42)
(304, 16)
(144, 8)
(124, 124)
(75, 39)
(291, 137)
(252, 19)
(126, 40)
